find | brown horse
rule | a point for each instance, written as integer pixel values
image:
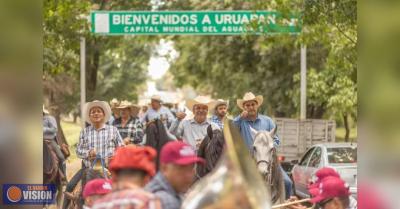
(210, 149)
(157, 136)
(52, 173)
(74, 199)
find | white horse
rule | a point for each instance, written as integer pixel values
(266, 158)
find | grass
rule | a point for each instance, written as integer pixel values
(71, 132)
(341, 132)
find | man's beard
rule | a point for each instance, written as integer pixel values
(221, 115)
(201, 117)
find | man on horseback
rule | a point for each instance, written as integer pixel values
(193, 131)
(176, 175)
(249, 118)
(114, 103)
(50, 133)
(219, 110)
(130, 128)
(157, 111)
(97, 139)
(132, 167)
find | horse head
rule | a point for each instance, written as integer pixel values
(264, 151)
(210, 149)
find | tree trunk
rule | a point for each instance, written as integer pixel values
(60, 132)
(92, 66)
(346, 126)
(55, 111)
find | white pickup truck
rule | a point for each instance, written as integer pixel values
(298, 135)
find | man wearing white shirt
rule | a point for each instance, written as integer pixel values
(194, 130)
(157, 111)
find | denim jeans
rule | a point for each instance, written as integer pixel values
(288, 184)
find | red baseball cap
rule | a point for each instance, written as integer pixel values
(134, 157)
(314, 190)
(97, 187)
(331, 187)
(180, 153)
(320, 175)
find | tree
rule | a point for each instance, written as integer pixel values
(115, 66)
(228, 66)
(262, 64)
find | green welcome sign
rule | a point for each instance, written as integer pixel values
(192, 22)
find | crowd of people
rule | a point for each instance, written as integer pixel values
(116, 130)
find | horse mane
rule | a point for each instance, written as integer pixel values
(210, 149)
(156, 137)
(277, 180)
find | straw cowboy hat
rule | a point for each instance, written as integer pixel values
(45, 111)
(199, 100)
(96, 103)
(249, 96)
(114, 103)
(156, 97)
(217, 103)
(125, 104)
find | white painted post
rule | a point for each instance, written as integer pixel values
(83, 78)
(303, 82)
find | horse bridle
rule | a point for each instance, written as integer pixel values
(268, 175)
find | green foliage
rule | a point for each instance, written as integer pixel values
(62, 25)
(229, 66)
(123, 70)
(115, 66)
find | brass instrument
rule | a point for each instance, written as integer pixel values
(235, 182)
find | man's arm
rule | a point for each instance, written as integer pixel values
(237, 120)
(82, 149)
(118, 139)
(177, 128)
(170, 116)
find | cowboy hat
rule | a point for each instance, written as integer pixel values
(249, 96)
(114, 103)
(96, 103)
(124, 104)
(199, 100)
(217, 103)
(156, 97)
(45, 111)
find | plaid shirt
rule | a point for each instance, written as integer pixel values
(164, 191)
(135, 198)
(133, 129)
(217, 121)
(104, 141)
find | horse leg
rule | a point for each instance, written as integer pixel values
(72, 184)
